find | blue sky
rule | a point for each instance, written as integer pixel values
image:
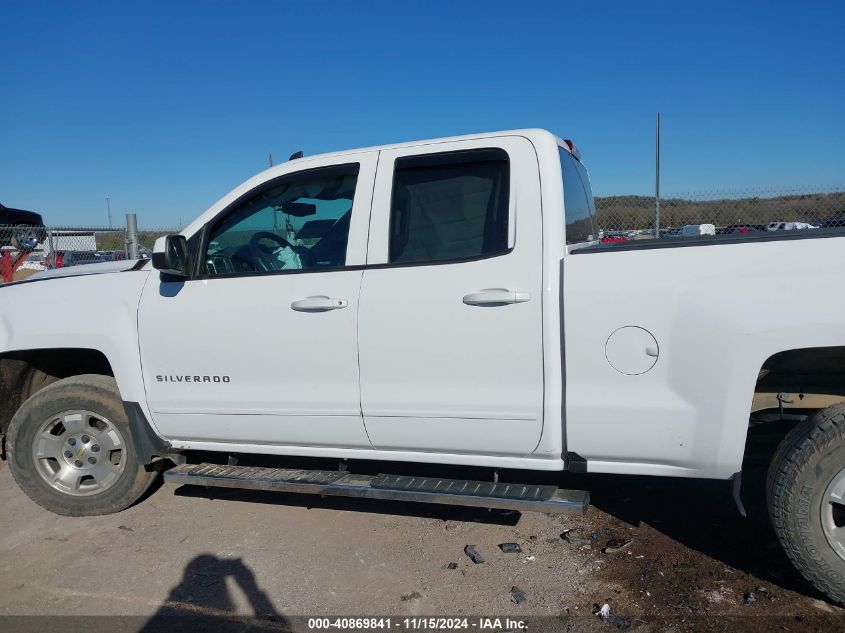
(165, 106)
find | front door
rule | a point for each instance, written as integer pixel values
(262, 347)
(450, 328)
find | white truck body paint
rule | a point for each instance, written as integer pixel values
(513, 387)
(530, 462)
(292, 377)
(438, 374)
(86, 269)
(717, 312)
(98, 312)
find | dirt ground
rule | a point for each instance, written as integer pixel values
(23, 273)
(693, 564)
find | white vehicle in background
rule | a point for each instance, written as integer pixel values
(696, 230)
(788, 226)
(34, 261)
(440, 302)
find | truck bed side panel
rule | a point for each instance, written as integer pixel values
(717, 313)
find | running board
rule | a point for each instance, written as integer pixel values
(457, 492)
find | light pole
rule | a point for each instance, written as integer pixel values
(657, 179)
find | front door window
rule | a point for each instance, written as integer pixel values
(297, 222)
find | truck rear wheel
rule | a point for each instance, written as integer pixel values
(71, 451)
(806, 495)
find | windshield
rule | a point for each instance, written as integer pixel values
(578, 202)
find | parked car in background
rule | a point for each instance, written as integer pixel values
(143, 253)
(694, 230)
(835, 222)
(34, 261)
(63, 259)
(740, 229)
(21, 229)
(613, 239)
(111, 256)
(672, 231)
(788, 226)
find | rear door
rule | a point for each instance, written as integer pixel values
(450, 327)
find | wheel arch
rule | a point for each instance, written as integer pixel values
(817, 370)
(26, 372)
(789, 384)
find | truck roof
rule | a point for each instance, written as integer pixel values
(543, 141)
(532, 134)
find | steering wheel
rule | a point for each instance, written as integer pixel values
(264, 258)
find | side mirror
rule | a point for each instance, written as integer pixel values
(170, 255)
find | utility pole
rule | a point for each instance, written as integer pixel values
(108, 210)
(132, 246)
(657, 180)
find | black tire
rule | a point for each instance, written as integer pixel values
(90, 392)
(810, 457)
(25, 238)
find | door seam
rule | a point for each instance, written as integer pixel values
(360, 297)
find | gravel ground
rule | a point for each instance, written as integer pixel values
(692, 563)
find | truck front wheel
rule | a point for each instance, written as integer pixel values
(71, 451)
(806, 495)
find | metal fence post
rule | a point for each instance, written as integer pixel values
(657, 179)
(132, 236)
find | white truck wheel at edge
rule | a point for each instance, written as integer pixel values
(441, 302)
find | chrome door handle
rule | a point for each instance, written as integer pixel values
(318, 303)
(496, 297)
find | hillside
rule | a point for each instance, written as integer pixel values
(637, 212)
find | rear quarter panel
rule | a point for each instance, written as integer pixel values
(718, 312)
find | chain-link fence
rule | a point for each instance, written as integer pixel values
(707, 213)
(28, 249)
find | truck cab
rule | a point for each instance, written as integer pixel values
(391, 301)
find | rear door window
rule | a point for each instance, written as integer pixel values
(449, 206)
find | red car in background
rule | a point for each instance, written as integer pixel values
(613, 239)
(64, 258)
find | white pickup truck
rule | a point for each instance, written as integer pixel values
(439, 302)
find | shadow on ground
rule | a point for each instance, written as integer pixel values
(202, 601)
(701, 514)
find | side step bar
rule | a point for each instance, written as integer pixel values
(393, 487)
